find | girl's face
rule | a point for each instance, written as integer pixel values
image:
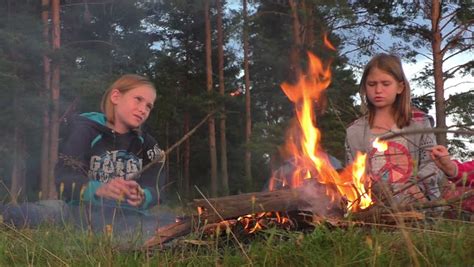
(382, 88)
(132, 108)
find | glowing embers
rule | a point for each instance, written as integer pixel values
(263, 220)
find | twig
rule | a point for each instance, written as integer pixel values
(69, 109)
(186, 136)
(444, 202)
(232, 232)
(409, 184)
(378, 210)
(191, 132)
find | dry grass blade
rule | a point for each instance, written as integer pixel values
(231, 232)
(30, 240)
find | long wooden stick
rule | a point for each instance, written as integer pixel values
(171, 148)
(429, 130)
(408, 185)
(444, 202)
(378, 210)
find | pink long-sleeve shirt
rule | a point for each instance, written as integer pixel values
(466, 168)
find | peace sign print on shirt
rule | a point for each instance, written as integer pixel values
(394, 165)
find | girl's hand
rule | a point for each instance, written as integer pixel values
(137, 196)
(120, 189)
(442, 159)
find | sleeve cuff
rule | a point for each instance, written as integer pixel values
(147, 200)
(89, 192)
(456, 171)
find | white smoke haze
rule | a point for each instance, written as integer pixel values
(316, 200)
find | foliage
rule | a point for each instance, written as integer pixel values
(461, 108)
(20, 78)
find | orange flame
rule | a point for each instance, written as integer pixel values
(358, 171)
(327, 43)
(381, 146)
(236, 92)
(310, 160)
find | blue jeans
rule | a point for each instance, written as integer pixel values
(122, 222)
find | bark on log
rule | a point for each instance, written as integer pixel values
(171, 231)
(231, 207)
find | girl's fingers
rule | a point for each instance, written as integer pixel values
(117, 190)
(137, 200)
(134, 203)
(120, 189)
(120, 184)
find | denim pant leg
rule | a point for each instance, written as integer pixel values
(121, 223)
(33, 214)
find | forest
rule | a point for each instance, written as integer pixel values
(224, 58)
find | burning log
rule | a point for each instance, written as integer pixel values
(231, 207)
(254, 208)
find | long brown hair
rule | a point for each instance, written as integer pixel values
(124, 84)
(401, 108)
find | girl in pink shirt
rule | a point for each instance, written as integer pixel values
(456, 171)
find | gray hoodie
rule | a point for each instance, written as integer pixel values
(406, 161)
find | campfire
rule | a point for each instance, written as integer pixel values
(303, 144)
(312, 192)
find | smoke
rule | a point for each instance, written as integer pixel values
(317, 200)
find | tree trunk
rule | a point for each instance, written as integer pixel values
(309, 25)
(55, 83)
(211, 121)
(438, 71)
(44, 173)
(17, 188)
(295, 50)
(222, 122)
(248, 115)
(187, 156)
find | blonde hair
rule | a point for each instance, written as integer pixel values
(401, 108)
(124, 84)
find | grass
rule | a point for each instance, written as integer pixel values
(441, 242)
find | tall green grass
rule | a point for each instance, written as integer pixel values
(440, 242)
